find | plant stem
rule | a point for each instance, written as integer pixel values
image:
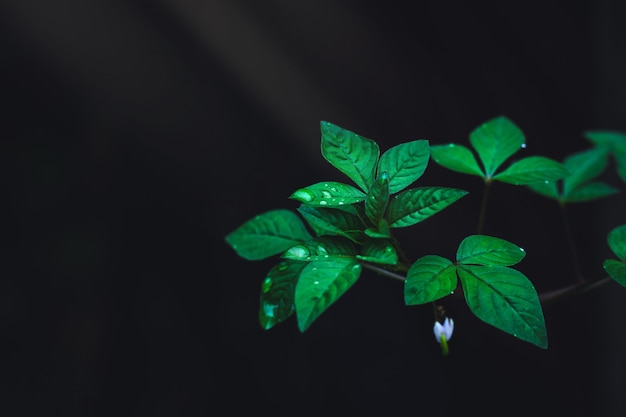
(483, 207)
(385, 272)
(570, 291)
(545, 298)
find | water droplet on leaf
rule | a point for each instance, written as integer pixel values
(303, 195)
(298, 251)
(268, 309)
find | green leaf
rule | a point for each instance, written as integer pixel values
(617, 241)
(277, 293)
(382, 231)
(547, 189)
(328, 193)
(321, 247)
(488, 250)
(320, 284)
(333, 222)
(495, 141)
(379, 251)
(267, 234)
(590, 191)
(532, 169)
(616, 270)
(456, 158)
(430, 278)
(504, 298)
(615, 141)
(352, 154)
(404, 163)
(417, 204)
(377, 199)
(582, 167)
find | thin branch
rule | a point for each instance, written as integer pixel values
(483, 207)
(551, 297)
(385, 272)
(545, 298)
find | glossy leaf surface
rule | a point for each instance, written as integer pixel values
(320, 284)
(456, 158)
(404, 163)
(495, 141)
(382, 231)
(504, 298)
(377, 199)
(430, 278)
(277, 293)
(352, 154)
(417, 204)
(488, 250)
(268, 234)
(321, 247)
(333, 222)
(379, 251)
(328, 193)
(532, 169)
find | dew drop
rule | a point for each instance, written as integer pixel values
(316, 282)
(333, 189)
(268, 309)
(523, 146)
(298, 251)
(303, 195)
(321, 250)
(267, 285)
(323, 202)
(326, 194)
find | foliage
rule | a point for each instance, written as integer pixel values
(340, 229)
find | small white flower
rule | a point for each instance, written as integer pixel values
(444, 330)
(443, 333)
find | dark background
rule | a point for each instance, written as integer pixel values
(136, 135)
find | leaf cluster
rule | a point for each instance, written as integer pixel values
(341, 228)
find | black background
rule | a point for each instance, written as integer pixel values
(136, 135)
